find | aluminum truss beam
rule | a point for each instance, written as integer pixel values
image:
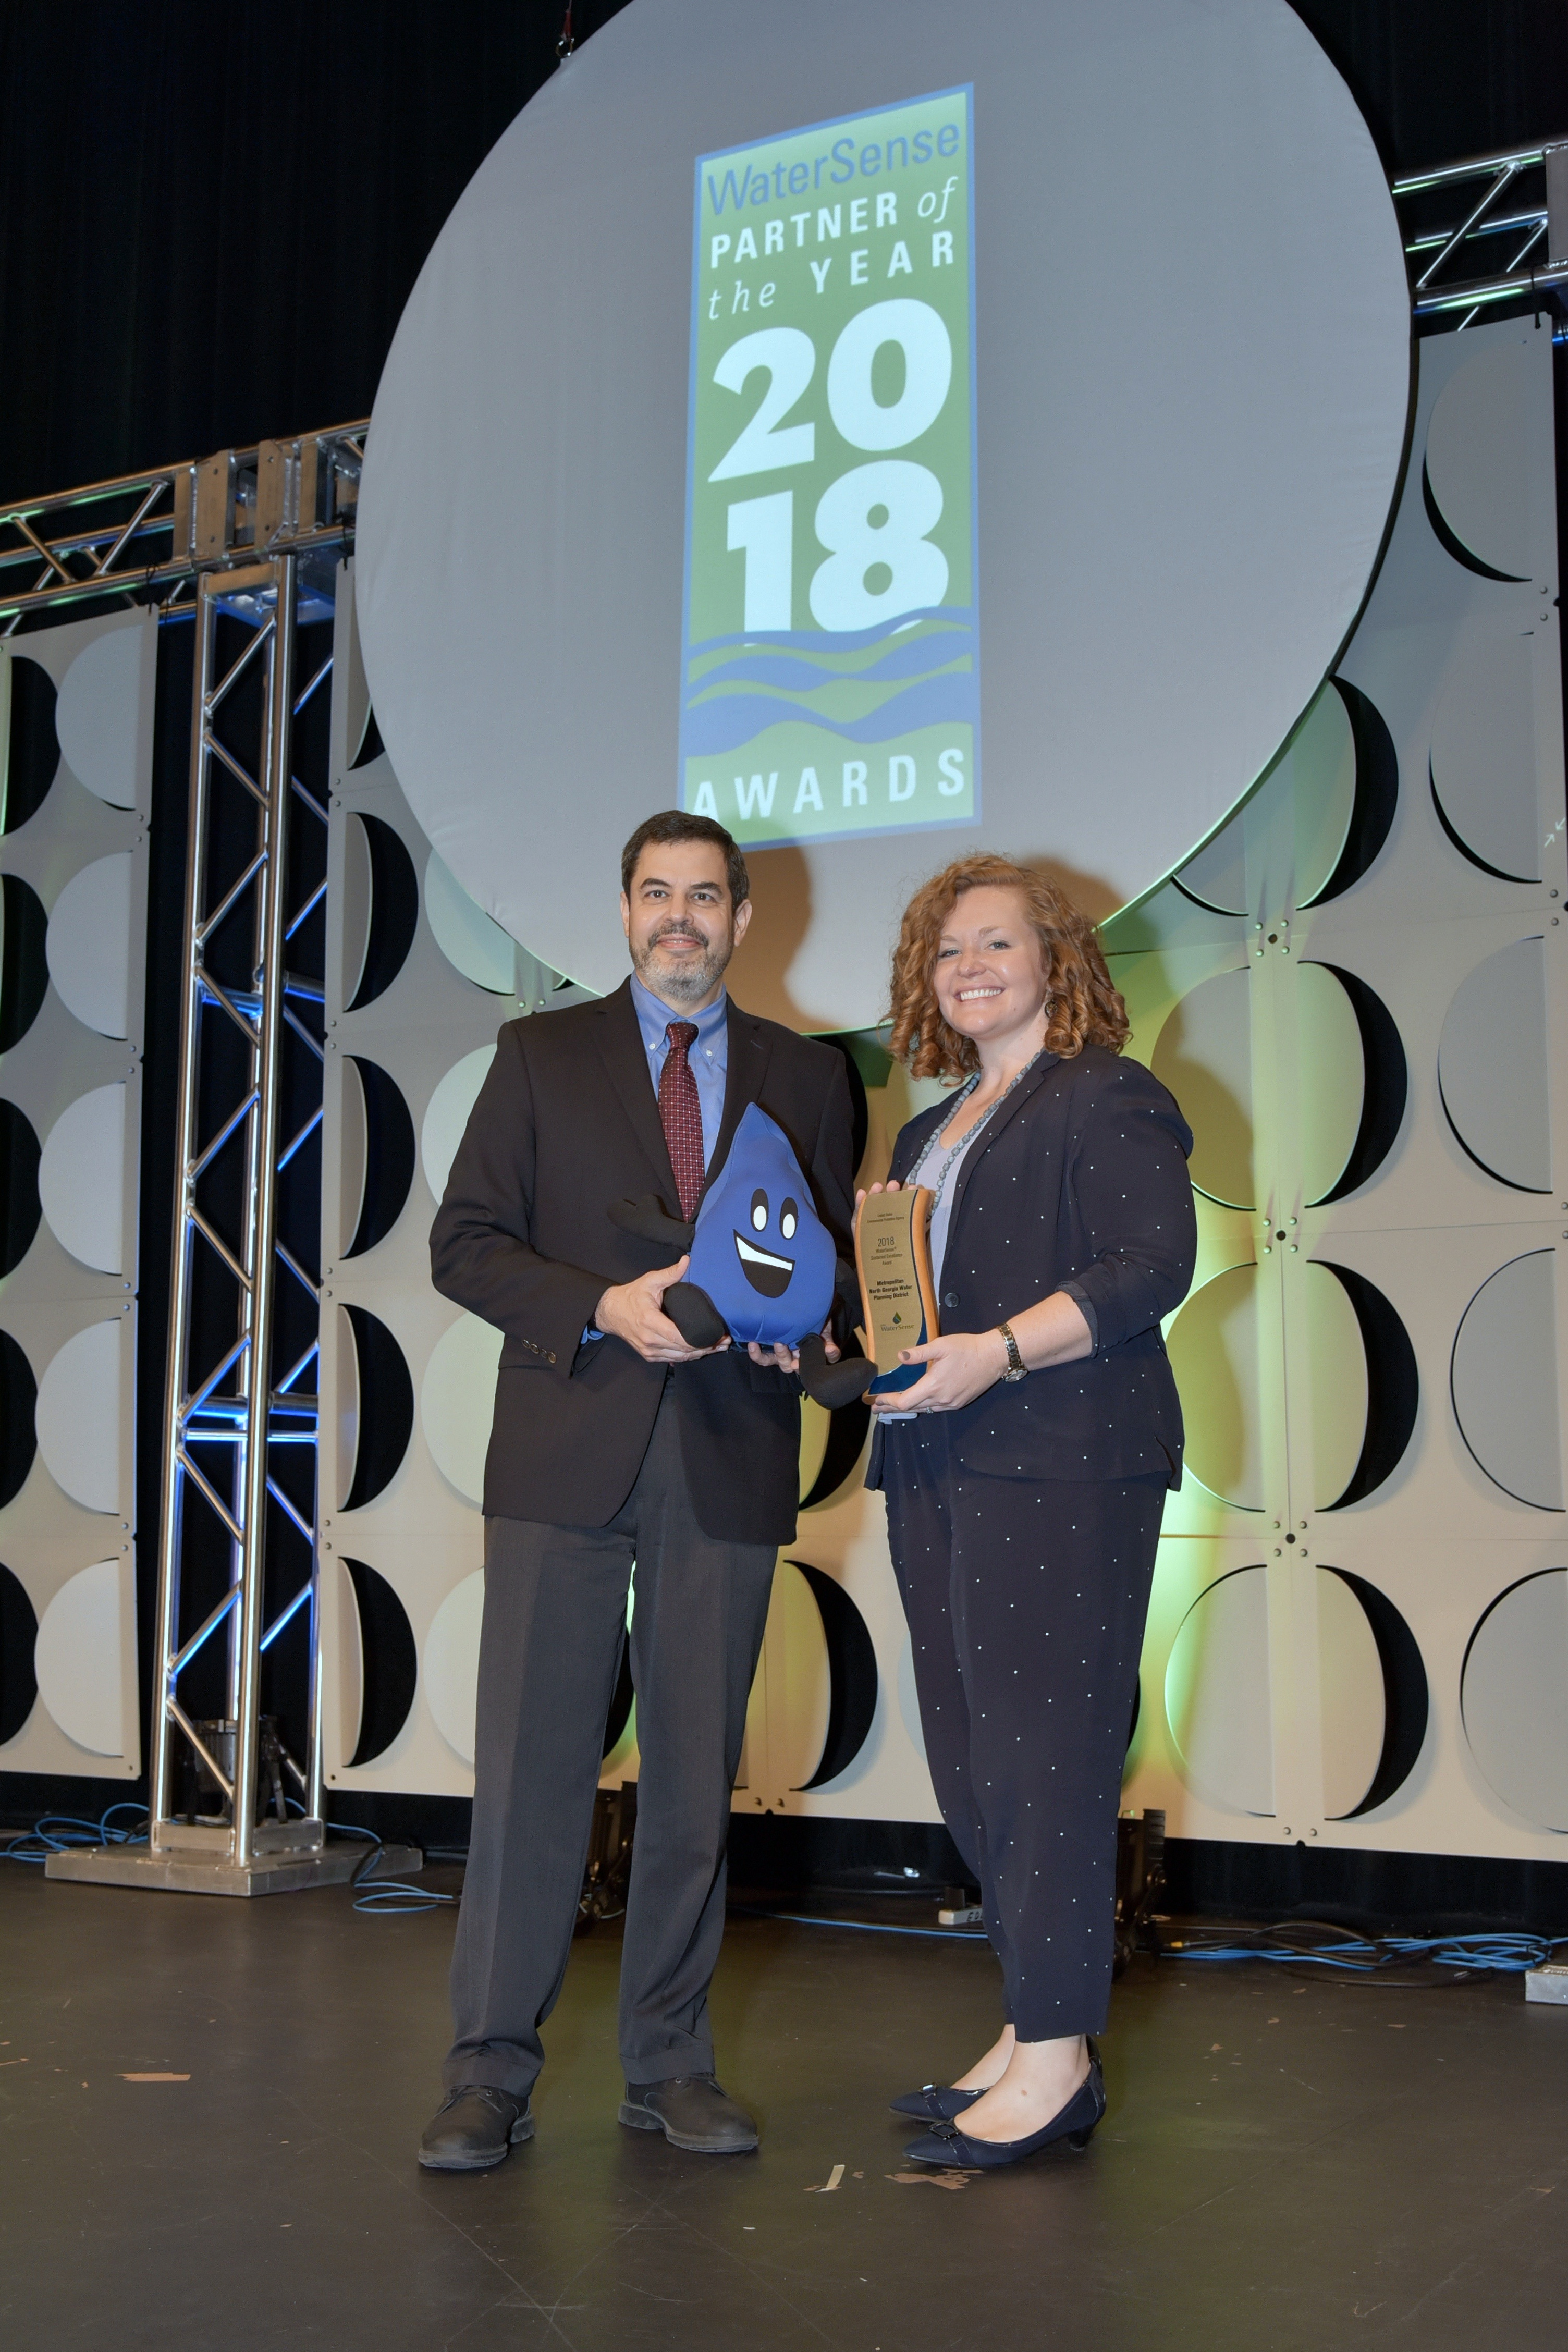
(229, 1402)
(1536, 260)
(246, 547)
(154, 532)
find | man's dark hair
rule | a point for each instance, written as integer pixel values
(679, 824)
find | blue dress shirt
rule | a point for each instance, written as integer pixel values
(709, 1057)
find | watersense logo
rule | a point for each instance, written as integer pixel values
(831, 675)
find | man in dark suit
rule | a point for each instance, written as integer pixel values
(614, 1442)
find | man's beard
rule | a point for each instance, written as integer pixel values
(685, 982)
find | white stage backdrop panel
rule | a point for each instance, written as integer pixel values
(1354, 989)
(893, 430)
(1358, 993)
(76, 745)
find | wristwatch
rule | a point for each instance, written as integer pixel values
(1017, 1370)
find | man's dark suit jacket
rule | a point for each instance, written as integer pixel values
(1079, 1177)
(566, 1122)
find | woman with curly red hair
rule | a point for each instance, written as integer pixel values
(1026, 1470)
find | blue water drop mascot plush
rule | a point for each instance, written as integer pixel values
(763, 1265)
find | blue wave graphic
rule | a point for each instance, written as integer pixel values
(932, 670)
(840, 641)
(916, 658)
(734, 719)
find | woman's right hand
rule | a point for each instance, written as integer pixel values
(892, 1185)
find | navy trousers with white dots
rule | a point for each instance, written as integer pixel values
(1026, 1601)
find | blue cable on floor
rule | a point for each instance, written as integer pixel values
(1364, 1956)
(372, 1895)
(386, 1896)
(60, 1832)
(1506, 1955)
(867, 1926)
(1500, 1954)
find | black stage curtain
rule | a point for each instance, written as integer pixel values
(211, 214)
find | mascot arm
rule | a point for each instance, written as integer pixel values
(647, 1218)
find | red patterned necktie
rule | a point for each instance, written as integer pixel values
(682, 1114)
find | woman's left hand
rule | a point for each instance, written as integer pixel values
(959, 1368)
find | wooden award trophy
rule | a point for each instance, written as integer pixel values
(898, 1294)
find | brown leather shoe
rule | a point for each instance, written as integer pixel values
(691, 2111)
(473, 2128)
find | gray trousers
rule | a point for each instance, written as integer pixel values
(555, 1613)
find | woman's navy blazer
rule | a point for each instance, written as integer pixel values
(1079, 1180)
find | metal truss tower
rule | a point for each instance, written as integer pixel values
(246, 547)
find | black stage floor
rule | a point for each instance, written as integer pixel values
(1283, 2165)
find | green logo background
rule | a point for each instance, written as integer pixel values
(833, 690)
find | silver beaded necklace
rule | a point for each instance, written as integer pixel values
(970, 1133)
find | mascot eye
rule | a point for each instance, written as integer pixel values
(759, 1209)
(788, 1215)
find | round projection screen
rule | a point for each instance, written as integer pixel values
(893, 430)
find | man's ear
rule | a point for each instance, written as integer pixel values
(742, 920)
(625, 914)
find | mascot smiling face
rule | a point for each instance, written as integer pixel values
(760, 1251)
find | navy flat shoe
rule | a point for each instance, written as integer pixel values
(935, 2103)
(1075, 2123)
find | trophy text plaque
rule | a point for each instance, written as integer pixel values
(892, 1252)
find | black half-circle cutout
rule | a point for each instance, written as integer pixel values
(1534, 1502)
(1536, 1191)
(853, 1681)
(846, 1430)
(371, 745)
(388, 1156)
(24, 965)
(1456, 840)
(1406, 1700)
(1490, 1611)
(20, 1207)
(35, 748)
(1392, 1386)
(1449, 541)
(390, 1661)
(18, 1409)
(620, 1713)
(1386, 1088)
(1376, 795)
(18, 1636)
(385, 1408)
(393, 909)
(1137, 1711)
(1209, 905)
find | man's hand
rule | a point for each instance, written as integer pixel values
(633, 1311)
